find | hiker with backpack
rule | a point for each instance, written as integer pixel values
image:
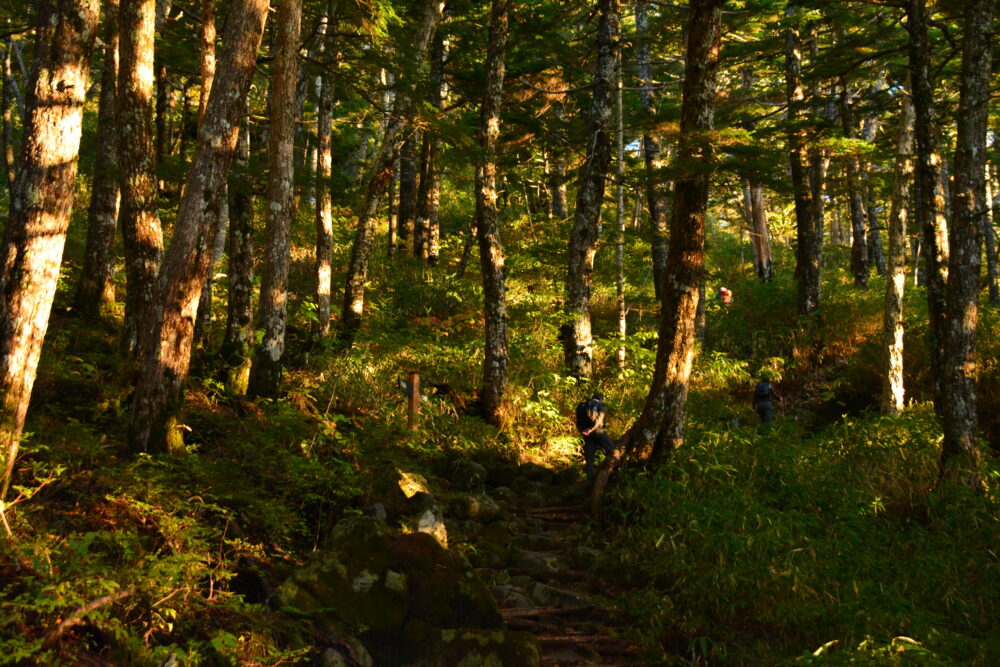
(590, 425)
(764, 397)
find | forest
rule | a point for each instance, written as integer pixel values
(370, 333)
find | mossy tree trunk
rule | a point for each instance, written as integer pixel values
(159, 393)
(95, 293)
(378, 177)
(659, 428)
(265, 371)
(929, 207)
(35, 233)
(324, 170)
(491, 257)
(576, 333)
(142, 235)
(237, 346)
(960, 451)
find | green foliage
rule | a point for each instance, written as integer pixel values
(769, 540)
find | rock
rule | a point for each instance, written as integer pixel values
(477, 506)
(510, 597)
(501, 474)
(549, 596)
(412, 483)
(376, 511)
(431, 521)
(534, 499)
(539, 561)
(586, 558)
(541, 542)
(536, 473)
(496, 533)
(474, 648)
(349, 652)
(467, 474)
(523, 485)
(504, 494)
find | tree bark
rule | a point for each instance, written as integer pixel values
(660, 427)
(407, 184)
(265, 372)
(140, 221)
(324, 171)
(576, 333)
(859, 243)
(808, 248)
(9, 96)
(989, 239)
(357, 274)
(620, 216)
(929, 207)
(893, 391)
(819, 158)
(95, 293)
(40, 210)
(656, 198)
(162, 11)
(431, 203)
(960, 450)
(156, 409)
(237, 346)
(491, 257)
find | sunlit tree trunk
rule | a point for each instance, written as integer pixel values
(893, 391)
(620, 215)
(162, 83)
(859, 243)
(420, 216)
(929, 207)
(960, 451)
(491, 257)
(140, 220)
(656, 198)
(265, 371)
(660, 427)
(156, 408)
(95, 294)
(807, 255)
(207, 53)
(577, 338)
(40, 210)
(357, 273)
(431, 203)
(237, 346)
(324, 171)
(989, 237)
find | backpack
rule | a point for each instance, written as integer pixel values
(593, 410)
(763, 391)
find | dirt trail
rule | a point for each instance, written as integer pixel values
(549, 585)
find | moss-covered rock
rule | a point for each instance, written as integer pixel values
(473, 647)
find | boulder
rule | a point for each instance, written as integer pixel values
(467, 474)
(473, 647)
(549, 596)
(501, 474)
(411, 483)
(476, 506)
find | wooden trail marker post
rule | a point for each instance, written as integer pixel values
(414, 403)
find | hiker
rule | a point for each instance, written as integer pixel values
(764, 397)
(725, 296)
(590, 424)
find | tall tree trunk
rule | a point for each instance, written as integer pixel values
(660, 426)
(620, 215)
(40, 210)
(162, 12)
(140, 220)
(420, 216)
(808, 248)
(9, 165)
(656, 198)
(159, 393)
(95, 293)
(357, 274)
(576, 334)
(407, 183)
(960, 451)
(893, 391)
(204, 319)
(391, 213)
(989, 236)
(432, 200)
(237, 346)
(819, 158)
(929, 207)
(265, 372)
(491, 257)
(859, 244)
(760, 234)
(876, 256)
(324, 171)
